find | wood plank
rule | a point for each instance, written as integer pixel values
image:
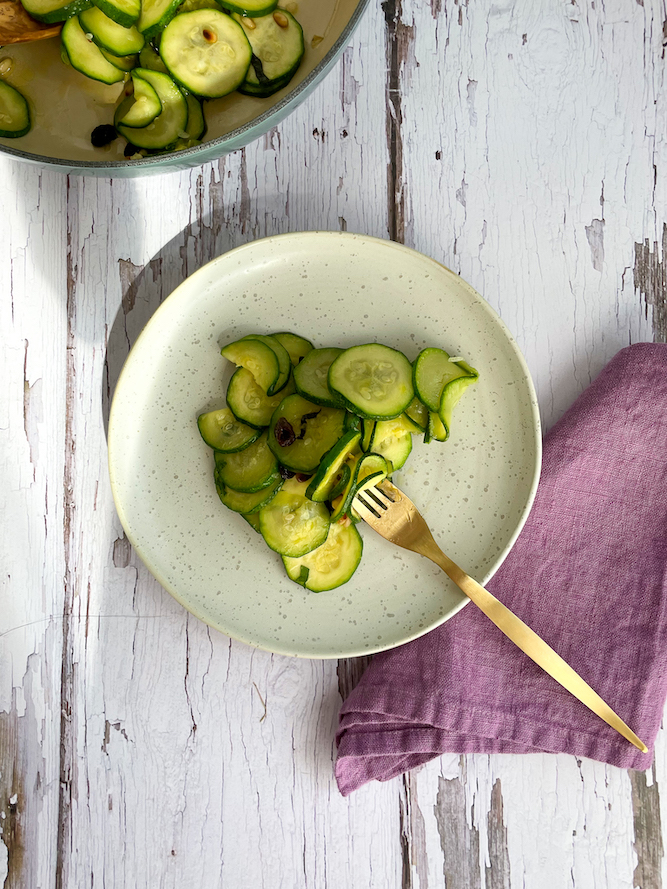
(32, 345)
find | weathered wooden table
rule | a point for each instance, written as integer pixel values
(524, 145)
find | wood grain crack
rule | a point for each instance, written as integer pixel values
(648, 831)
(651, 280)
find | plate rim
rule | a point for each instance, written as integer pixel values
(173, 298)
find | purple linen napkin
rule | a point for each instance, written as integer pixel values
(588, 573)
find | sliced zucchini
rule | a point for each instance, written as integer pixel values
(326, 479)
(50, 11)
(191, 5)
(433, 371)
(392, 439)
(368, 434)
(142, 107)
(85, 56)
(311, 374)
(125, 63)
(168, 126)
(246, 504)
(196, 123)
(109, 35)
(453, 392)
(259, 359)
(252, 518)
(418, 413)
(149, 58)
(301, 432)
(368, 470)
(155, 16)
(375, 381)
(281, 353)
(124, 12)
(249, 403)
(330, 565)
(249, 7)
(436, 430)
(252, 469)
(341, 481)
(277, 49)
(14, 112)
(206, 51)
(223, 432)
(297, 346)
(291, 523)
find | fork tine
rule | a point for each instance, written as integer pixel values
(368, 511)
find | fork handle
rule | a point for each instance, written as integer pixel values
(531, 644)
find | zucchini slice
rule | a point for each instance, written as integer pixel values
(257, 357)
(139, 109)
(277, 49)
(168, 126)
(417, 412)
(368, 471)
(249, 7)
(249, 403)
(14, 112)
(85, 56)
(311, 374)
(297, 346)
(252, 469)
(206, 51)
(223, 432)
(125, 63)
(330, 565)
(291, 523)
(124, 12)
(452, 394)
(374, 381)
(196, 123)
(433, 371)
(51, 11)
(109, 35)
(392, 439)
(149, 58)
(301, 432)
(281, 353)
(155, 16)
(246, 504)
(326, 479)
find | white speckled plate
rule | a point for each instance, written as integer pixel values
(337, 290)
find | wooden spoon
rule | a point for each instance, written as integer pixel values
(16, 26)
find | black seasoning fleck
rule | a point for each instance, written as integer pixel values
(286, 473)
(103, 135)
(304, 421)
(284, 433)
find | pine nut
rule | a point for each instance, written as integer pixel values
(280, 19)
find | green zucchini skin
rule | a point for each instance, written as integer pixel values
(374, 381)
(311, 375)
(253, 8)
(14, 106)
(124, 12)
(52, 11)
(166, 128)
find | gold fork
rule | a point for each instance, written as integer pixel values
(395, 517)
